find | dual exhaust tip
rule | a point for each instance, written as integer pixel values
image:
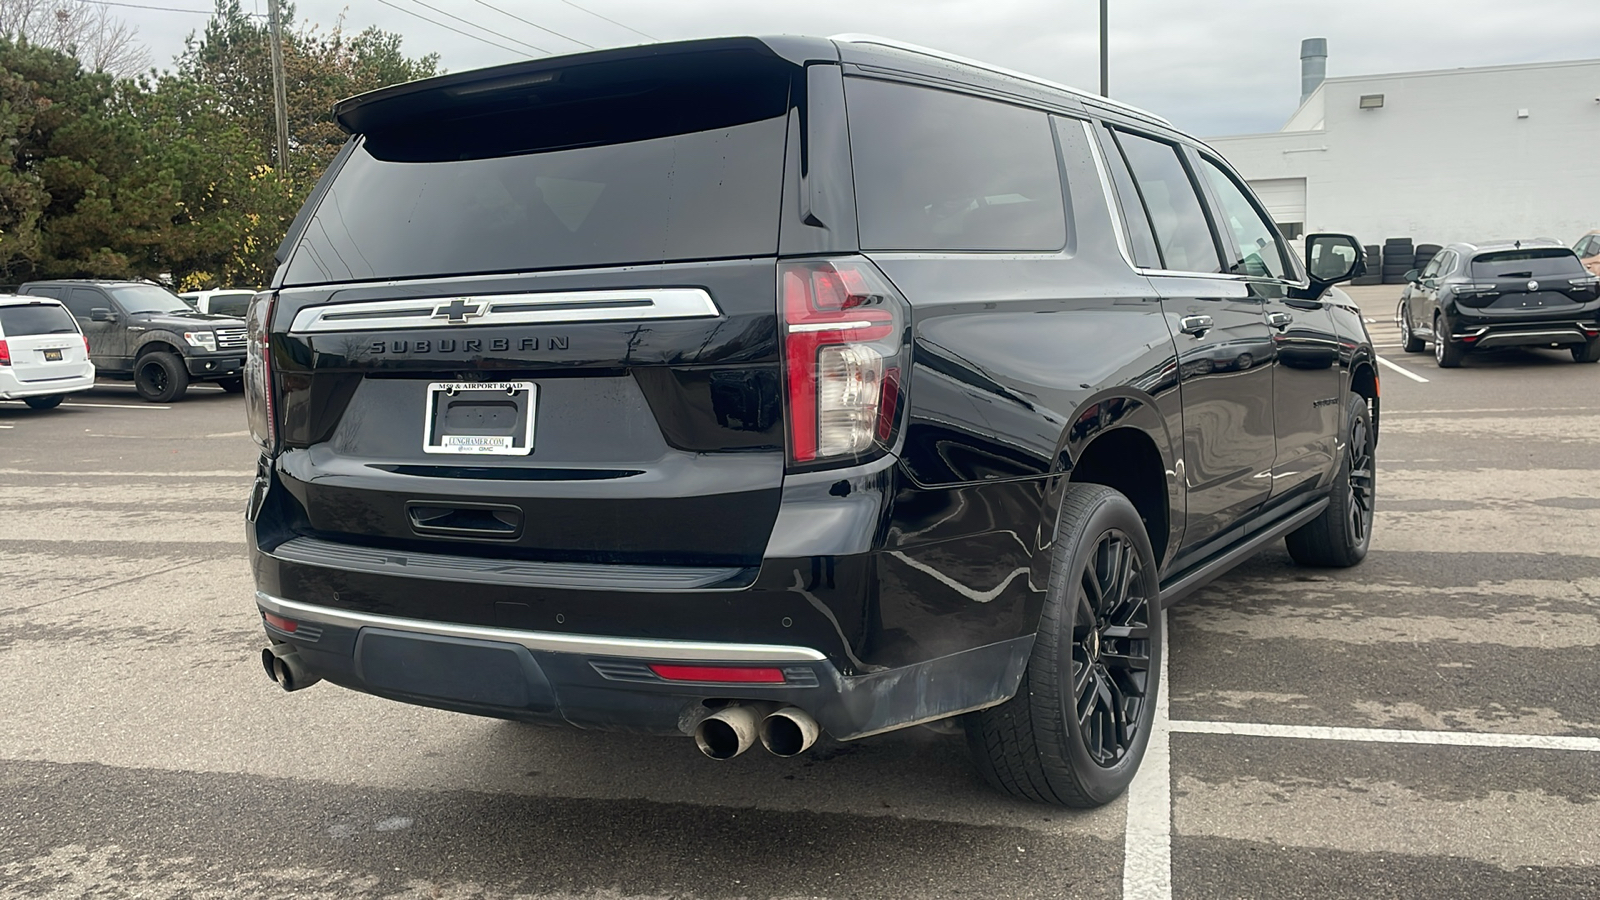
(284, 667)
(730, 731)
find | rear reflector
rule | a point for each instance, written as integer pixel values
(280, 623)
(720, 674)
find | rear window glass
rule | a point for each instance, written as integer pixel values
(1544, 263)
(648, 161)
(45, 318)
(936, 170)
(229, 305)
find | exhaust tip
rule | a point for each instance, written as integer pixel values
(284, 668)
(728, 732)
(789, 732)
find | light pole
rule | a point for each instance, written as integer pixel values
(280, 112)
(1105, 60)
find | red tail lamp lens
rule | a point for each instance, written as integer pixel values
(719, 674)
(5, 354)
(280, 623)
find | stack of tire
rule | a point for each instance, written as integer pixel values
(1399, 257)
(1425, 254)
(1374, 275)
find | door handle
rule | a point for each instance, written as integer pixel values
(1195, 325)
(1278, 319)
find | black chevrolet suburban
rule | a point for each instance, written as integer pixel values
(144, 333)
(758, 389)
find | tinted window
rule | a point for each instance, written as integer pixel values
(1553, 263)
(44, 318)
(53, 293)
(82, 300)
(1255, 239)
(1431, 270)
(147, 298)
(941, 171)
(1182, 232)
(670, 158)
(1140, 236)
(230, 305)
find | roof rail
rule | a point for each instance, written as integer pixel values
(1023, 76)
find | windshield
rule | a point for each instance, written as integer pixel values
(1551, 263)
(147, 298)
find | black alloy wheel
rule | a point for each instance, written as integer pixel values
(1340, 535)
(1359, 484)
(1076, 728)
(1110, 651)
(160, 377)
(1408, 339)
(1446, 353)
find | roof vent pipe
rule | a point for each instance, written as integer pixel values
(1313, 65)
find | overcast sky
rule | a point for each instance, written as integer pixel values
(1213, 68)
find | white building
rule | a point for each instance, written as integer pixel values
(1456, 155)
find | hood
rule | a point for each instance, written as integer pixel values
(187, 321)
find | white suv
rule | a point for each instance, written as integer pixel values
(43, 355)
(220, 302)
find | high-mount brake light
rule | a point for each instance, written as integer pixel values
(842, 323)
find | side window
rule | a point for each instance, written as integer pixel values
(935, 170)
(1434, 266)
(1182, 232)
(54, 293)
(1448, 264)
(82, 300)
(1257, 250)
(1141, 238)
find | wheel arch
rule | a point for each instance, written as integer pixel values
(159, 342)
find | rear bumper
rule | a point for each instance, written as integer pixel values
(12, 388)
(602, 682)
(1542, 334)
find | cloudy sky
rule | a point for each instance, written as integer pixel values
(1213, 68)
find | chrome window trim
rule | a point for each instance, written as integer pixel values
(591, 645)
(508, 309)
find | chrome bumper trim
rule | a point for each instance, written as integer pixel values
(589, 645)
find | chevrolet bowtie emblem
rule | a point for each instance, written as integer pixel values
(457, 311)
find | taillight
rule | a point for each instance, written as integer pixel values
(258, 400)
(85, 346)
(844, 354)
(5, 354)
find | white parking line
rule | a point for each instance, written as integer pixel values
(1147, 838)
(1392, 736)
(1370, 321)
(1406, 372)
(86, 474)
(119, 405)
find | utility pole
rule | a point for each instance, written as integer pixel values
(280, 112)
(1105, 58)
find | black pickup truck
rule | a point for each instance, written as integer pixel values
(750, 390)
(144, 333)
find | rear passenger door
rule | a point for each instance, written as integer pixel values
(1304, 349)
(1224, 346)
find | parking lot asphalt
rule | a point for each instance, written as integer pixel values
(1425, 725)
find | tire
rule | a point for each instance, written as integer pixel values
(1036, 745)
(1410, 343)
(1340, 536)
(50, 402)
(160, 377)
(1446, 353)
(1586, 352)
(1429, 249)
(1244, 361)
(232, 385)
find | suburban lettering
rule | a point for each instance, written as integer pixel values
(499, 345)
(529, 344)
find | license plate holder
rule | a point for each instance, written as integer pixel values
(480, 417)
(52, 355)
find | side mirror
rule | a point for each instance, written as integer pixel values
(1330, 259)
(101, 314)
(1413, 274)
